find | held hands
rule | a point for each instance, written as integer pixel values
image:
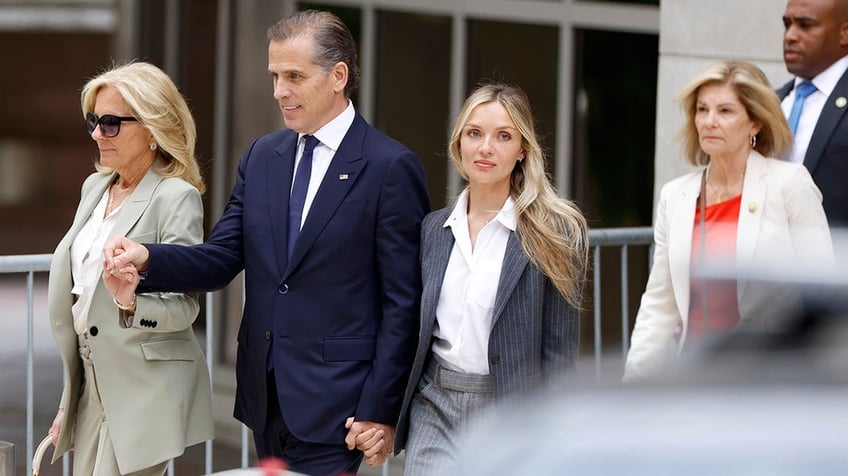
(121, 251)
(122, 260)
(375, 440)
(121, 283)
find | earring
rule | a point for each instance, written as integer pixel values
(521, 159)
(754, 141)
(153, 146)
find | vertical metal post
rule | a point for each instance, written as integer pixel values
(625, 304)
(7, 459)
(210, 361)
(457, 87)
(30, 344)
(596, 279)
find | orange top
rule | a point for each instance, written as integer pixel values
(722, 313)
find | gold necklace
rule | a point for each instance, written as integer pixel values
(115, 195)
(719, 194)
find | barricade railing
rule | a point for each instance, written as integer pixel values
(29, 265)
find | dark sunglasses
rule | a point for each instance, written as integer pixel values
(110, 124)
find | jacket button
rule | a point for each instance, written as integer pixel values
(495, 360)
(93, 331)
(268, 335)
(284, 288)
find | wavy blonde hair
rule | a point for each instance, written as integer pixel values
(158, 105)
(754, 91)
(552, 230)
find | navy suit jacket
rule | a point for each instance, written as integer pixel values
(827, 154)
(341, 315)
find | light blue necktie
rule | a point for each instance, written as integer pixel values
(801, 92)
(298, 193)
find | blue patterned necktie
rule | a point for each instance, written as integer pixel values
(298, 193)
(801, 92)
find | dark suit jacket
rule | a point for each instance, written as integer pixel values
(342, 314)
(535, 332)
(827, 154)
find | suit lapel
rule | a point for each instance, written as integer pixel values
(681, 222)
(439, 242)
(61, 264)
(785, 89)
(754, 191)
(343, 172)
(826, 125)
(278, 181)
(512, 268)
(136, 203)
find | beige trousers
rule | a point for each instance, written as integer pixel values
(93, 451)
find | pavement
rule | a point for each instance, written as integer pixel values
(47, 387)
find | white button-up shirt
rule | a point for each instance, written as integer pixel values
(467, 300)
(330, 137)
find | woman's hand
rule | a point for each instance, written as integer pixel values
(56, 427)
(121, 283)
(373, 439)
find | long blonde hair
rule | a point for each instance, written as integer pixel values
(157, 103)
(552, 230)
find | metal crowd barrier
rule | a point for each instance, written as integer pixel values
(623, 238)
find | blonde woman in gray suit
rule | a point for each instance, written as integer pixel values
(137, 388)
(503, 271)
(759, 212)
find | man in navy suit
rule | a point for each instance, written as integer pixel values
(331, 311)
(815, 45)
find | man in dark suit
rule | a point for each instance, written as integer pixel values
(815, 45)
(331, 312)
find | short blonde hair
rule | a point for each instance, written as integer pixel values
(158, 105)
(756, 95)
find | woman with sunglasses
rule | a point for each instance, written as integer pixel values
(137, 389)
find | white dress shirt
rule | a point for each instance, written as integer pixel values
(330, 137)
(825, 82)
(87, 259)
(467, 300)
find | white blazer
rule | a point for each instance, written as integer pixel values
(781, 220)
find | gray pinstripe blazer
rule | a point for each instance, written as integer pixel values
(535, 332)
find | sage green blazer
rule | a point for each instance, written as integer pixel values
(151, 375)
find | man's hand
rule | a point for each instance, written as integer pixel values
(122, 251)
(375, 440)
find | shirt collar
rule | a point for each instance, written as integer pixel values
(506, 215)
(827, 79)
(332, 133)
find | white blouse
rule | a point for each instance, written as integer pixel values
(87, 259)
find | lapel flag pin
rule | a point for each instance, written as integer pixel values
(752, 207)
(343, 176)
(841, 102)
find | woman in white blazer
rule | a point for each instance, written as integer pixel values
(760, 212)
(137, 389)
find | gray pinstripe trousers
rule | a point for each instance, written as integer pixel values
(444, 406)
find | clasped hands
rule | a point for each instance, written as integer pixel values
(375, 440)
(122, 261)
